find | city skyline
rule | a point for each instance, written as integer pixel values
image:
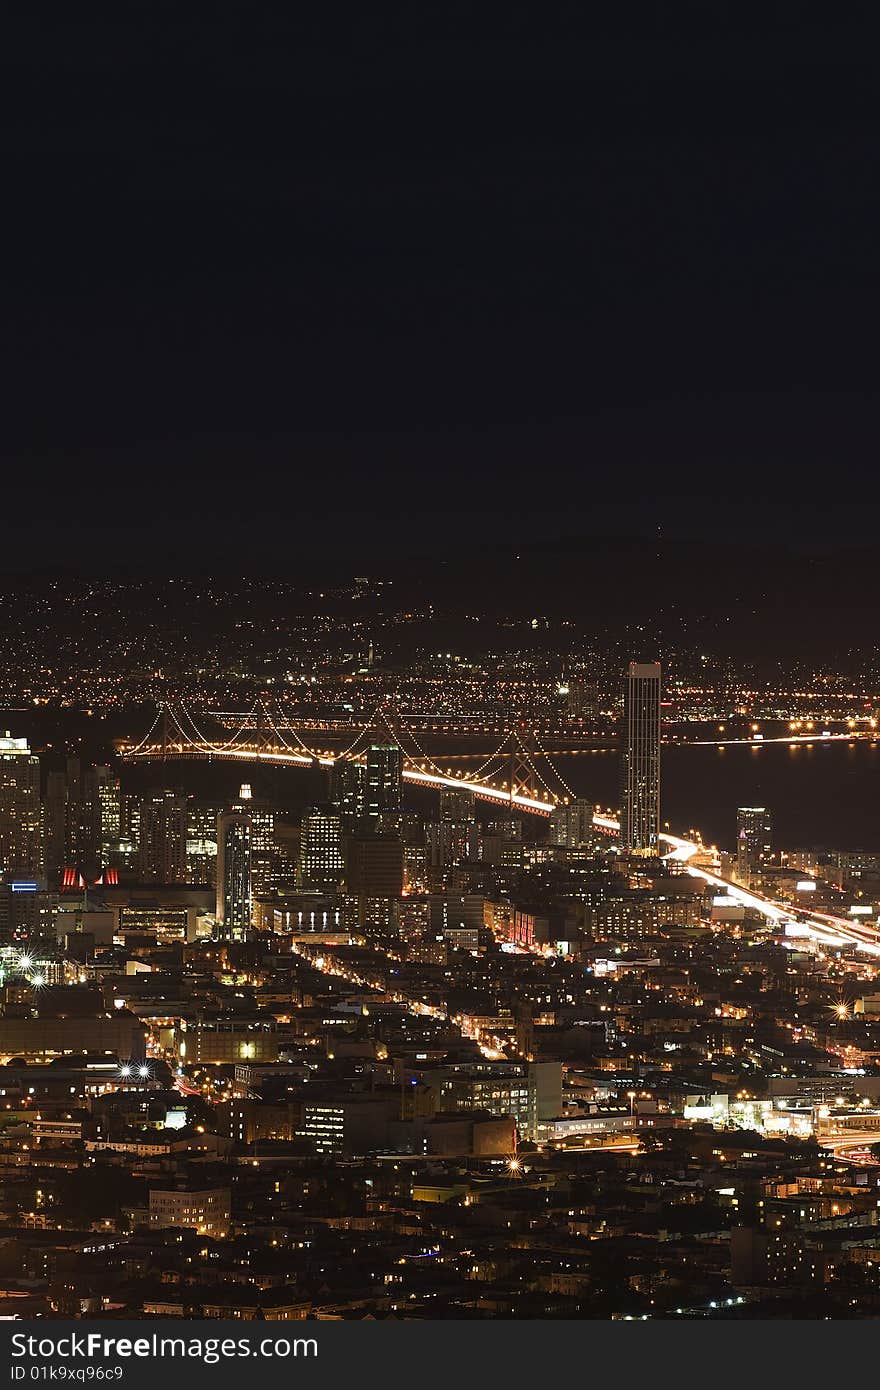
(385, 959)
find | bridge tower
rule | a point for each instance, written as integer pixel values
(264, 732)
(261, 727)
(522, 779)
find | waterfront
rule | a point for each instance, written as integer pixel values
(820, 794)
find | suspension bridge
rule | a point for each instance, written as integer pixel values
(518, 773)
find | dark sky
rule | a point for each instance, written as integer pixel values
(290, 283)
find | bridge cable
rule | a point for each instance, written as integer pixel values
(427, 758)
(147, 736)
(550, 763)
(291, 730)
(201, 740)
(200, 736)
(492, 756)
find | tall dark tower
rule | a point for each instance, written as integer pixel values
(348, 782)
(640, 780)
(234, 892)
(162, 853)
(384, 780)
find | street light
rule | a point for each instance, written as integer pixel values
(632, 1105)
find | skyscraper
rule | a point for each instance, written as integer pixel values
(67, 830)
(55, 825)
(754, 839)
(130, 830)
(321, 861)
(347, 790)
(454, 837)
(21, 821)
(384, 780)
(457, 804)
(104, 802)
(581, 698)
(234, 893)
(162, 845)
(640, 781)
(373, 881)
(374, 866)
(201, 842)
(264, 850)
(571, 825)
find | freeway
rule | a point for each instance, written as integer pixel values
(755, 740)
(820, 927)
(856, 1149)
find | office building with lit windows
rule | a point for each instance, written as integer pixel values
(21, 825)
(348, 1123)
(529, 1091)
(201, 842)
(347, 791)
(103, 803)
(162, 849)
(207, 1211)
(571, 825)
(754, 839)
(321, 861)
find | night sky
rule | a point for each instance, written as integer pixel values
(293, 284)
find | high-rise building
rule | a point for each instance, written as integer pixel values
(55, 825)
(347, 791)
(571, 826)
(754, 839)
(384, 781)
(162, 839)
(105, 805)
(453, 838)
(83, 818)
(201, 842)
(415, 867)
(128, 851)
(581, 699)
(264, 849)
(234, 889)
(457, 804)
(69, 821)
(640, 780)
(373, 881)
(321, 858)
(21, 817)
(285, 857)
(374, 866)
